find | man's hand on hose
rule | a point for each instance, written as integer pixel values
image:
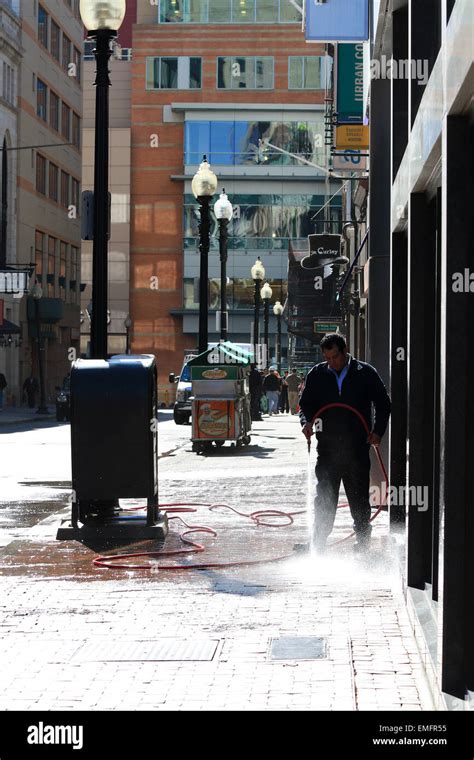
(307, 430)
(374, 439)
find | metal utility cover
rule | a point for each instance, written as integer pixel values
(161, 650)
(298, 648)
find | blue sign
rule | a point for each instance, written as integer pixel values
(337, 21)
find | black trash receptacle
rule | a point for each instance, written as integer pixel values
(114, 435)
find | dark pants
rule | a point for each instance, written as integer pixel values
(255, 405)
(346, 459)
(283, 403)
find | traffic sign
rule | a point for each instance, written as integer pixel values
(355, 136)
(326, 327)
(350, 160)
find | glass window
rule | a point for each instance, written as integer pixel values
(62, 262)
(64, 189)
(39, 249)
(243, 11)
(76, 57)
(75, 194)
(76, 130)
(66, 121)
(228, 11)
(52, 242)
(53, 181)
(41, 99)
(53, 111)
(55, 40)
(66, 52)
(307, 72)
(264, 73)
(295, 72)
(197, 139)
(219, 11)
(42, 26)
(244, 73)
(267, 10)
(288, 12)
(40, 174)
(196, 11)
(195, 73)
(171, 10)
(180, 73)
(256, 143)
(169, 73)
(222, 143)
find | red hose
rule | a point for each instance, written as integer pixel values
(377, 453)
(180, 507)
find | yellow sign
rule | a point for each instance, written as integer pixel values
(354, 136)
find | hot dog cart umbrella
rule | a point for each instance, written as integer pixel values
(221, 397)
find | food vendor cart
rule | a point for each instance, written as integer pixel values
(221, 397)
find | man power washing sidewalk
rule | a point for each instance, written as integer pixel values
(343, 444)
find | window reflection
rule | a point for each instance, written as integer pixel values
(245, 142)
(263, 222)
(228, 11)
(239, 292)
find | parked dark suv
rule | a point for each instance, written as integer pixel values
(63, 401)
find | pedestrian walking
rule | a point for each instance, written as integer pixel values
(3, 385)
(271, 386)
(293, 383)
(343, 444)
(255, 386)
(283, 404)
(30, 389)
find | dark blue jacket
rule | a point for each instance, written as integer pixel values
(361, 388)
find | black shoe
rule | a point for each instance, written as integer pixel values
(362, 543)
(301, 548)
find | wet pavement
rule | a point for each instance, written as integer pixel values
(298, 633)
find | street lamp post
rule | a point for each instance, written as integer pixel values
(258, 273)
(37, 293)
(204, 186)
(223, 211)
(127, 324)
(102, 19)
(278, 311)
(266, 294)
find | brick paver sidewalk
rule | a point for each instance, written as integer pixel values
(78, 637)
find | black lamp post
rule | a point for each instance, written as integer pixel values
(266, 294)
(37, 293)
(258, 273)
(127, 324)
(102, 19)
(223, 211)
(278, 311)
(204, 186)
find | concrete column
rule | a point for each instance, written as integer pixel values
(398, 369)
(378, 304)
(420, 375)
(456, 582)
(399, 89)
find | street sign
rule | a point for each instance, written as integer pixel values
(355, 136)
(350, 83)
(337, 20)
(326, 327)
(349, 161)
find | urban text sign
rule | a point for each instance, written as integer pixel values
(13, 282)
